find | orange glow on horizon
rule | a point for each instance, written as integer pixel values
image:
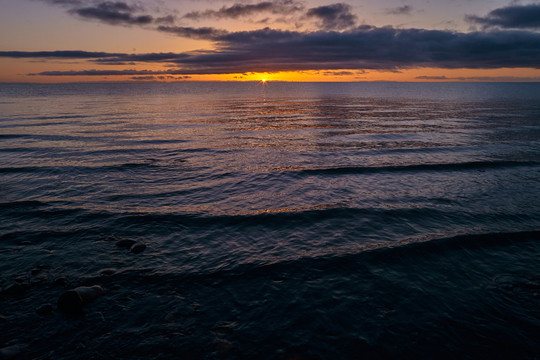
(16, 70)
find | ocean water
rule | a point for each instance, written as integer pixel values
(285, 221)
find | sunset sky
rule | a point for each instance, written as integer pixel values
(280, 40)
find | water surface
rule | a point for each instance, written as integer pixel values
(293, 220)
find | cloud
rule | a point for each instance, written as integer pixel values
(427, 77)
(499, 78)
(333, 17)
(339, 73)
(63, 2)
(510, 17)
(240, 10)
(482, 78)
(95, 72)
(110, 12)
(365, 47)
(120, 59)
(401, 10)
(168, 19)
(202, 33)
(143, 78)
(58, 54)
(113, 13)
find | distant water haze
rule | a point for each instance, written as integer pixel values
(316, 220)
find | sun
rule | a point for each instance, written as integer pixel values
(263, 80)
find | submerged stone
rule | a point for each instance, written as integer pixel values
(125, 244)
(60, 281)
(137, 248)
(11, 352)
(44, 309)
(14, 289)
(72, 301)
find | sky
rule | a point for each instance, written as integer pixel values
(277, 40)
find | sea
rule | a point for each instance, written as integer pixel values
(277, 220)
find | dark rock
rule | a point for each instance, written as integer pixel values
(125, 244)
(224, 328)
(3, 319)
(137, 248)
(14, 289)
(72, 301)
(44, 309)
(40, 279)
(60, 281)
(107, 272)
(223, 347)
(35, 271)
(11, 352)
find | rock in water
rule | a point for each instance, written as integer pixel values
(14, 289)
(72, 301)
(44, 309)
(89, 293)
(126, 243)
(11, 352)
(137, 248)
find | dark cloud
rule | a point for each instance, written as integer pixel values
(510, 17)
(161, 77)
(59, 54)
(121, 59)
(333, 17)
(482, 78)
(110, 12)
(401, 10)
(113, 13)
(499, 78)
(202, 33)
(143, 78)
(427, 77)
(94, 72)
(365, 47)
(169, 19)
(240, 10)
(338, 73)
(266, 35)
(63, 2)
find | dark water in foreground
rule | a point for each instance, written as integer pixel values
(295, 221)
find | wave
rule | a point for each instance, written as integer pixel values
(76, 169)
(404, 252)
(13, 136)
(471, 165)
(337, 170)
(302, 215)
